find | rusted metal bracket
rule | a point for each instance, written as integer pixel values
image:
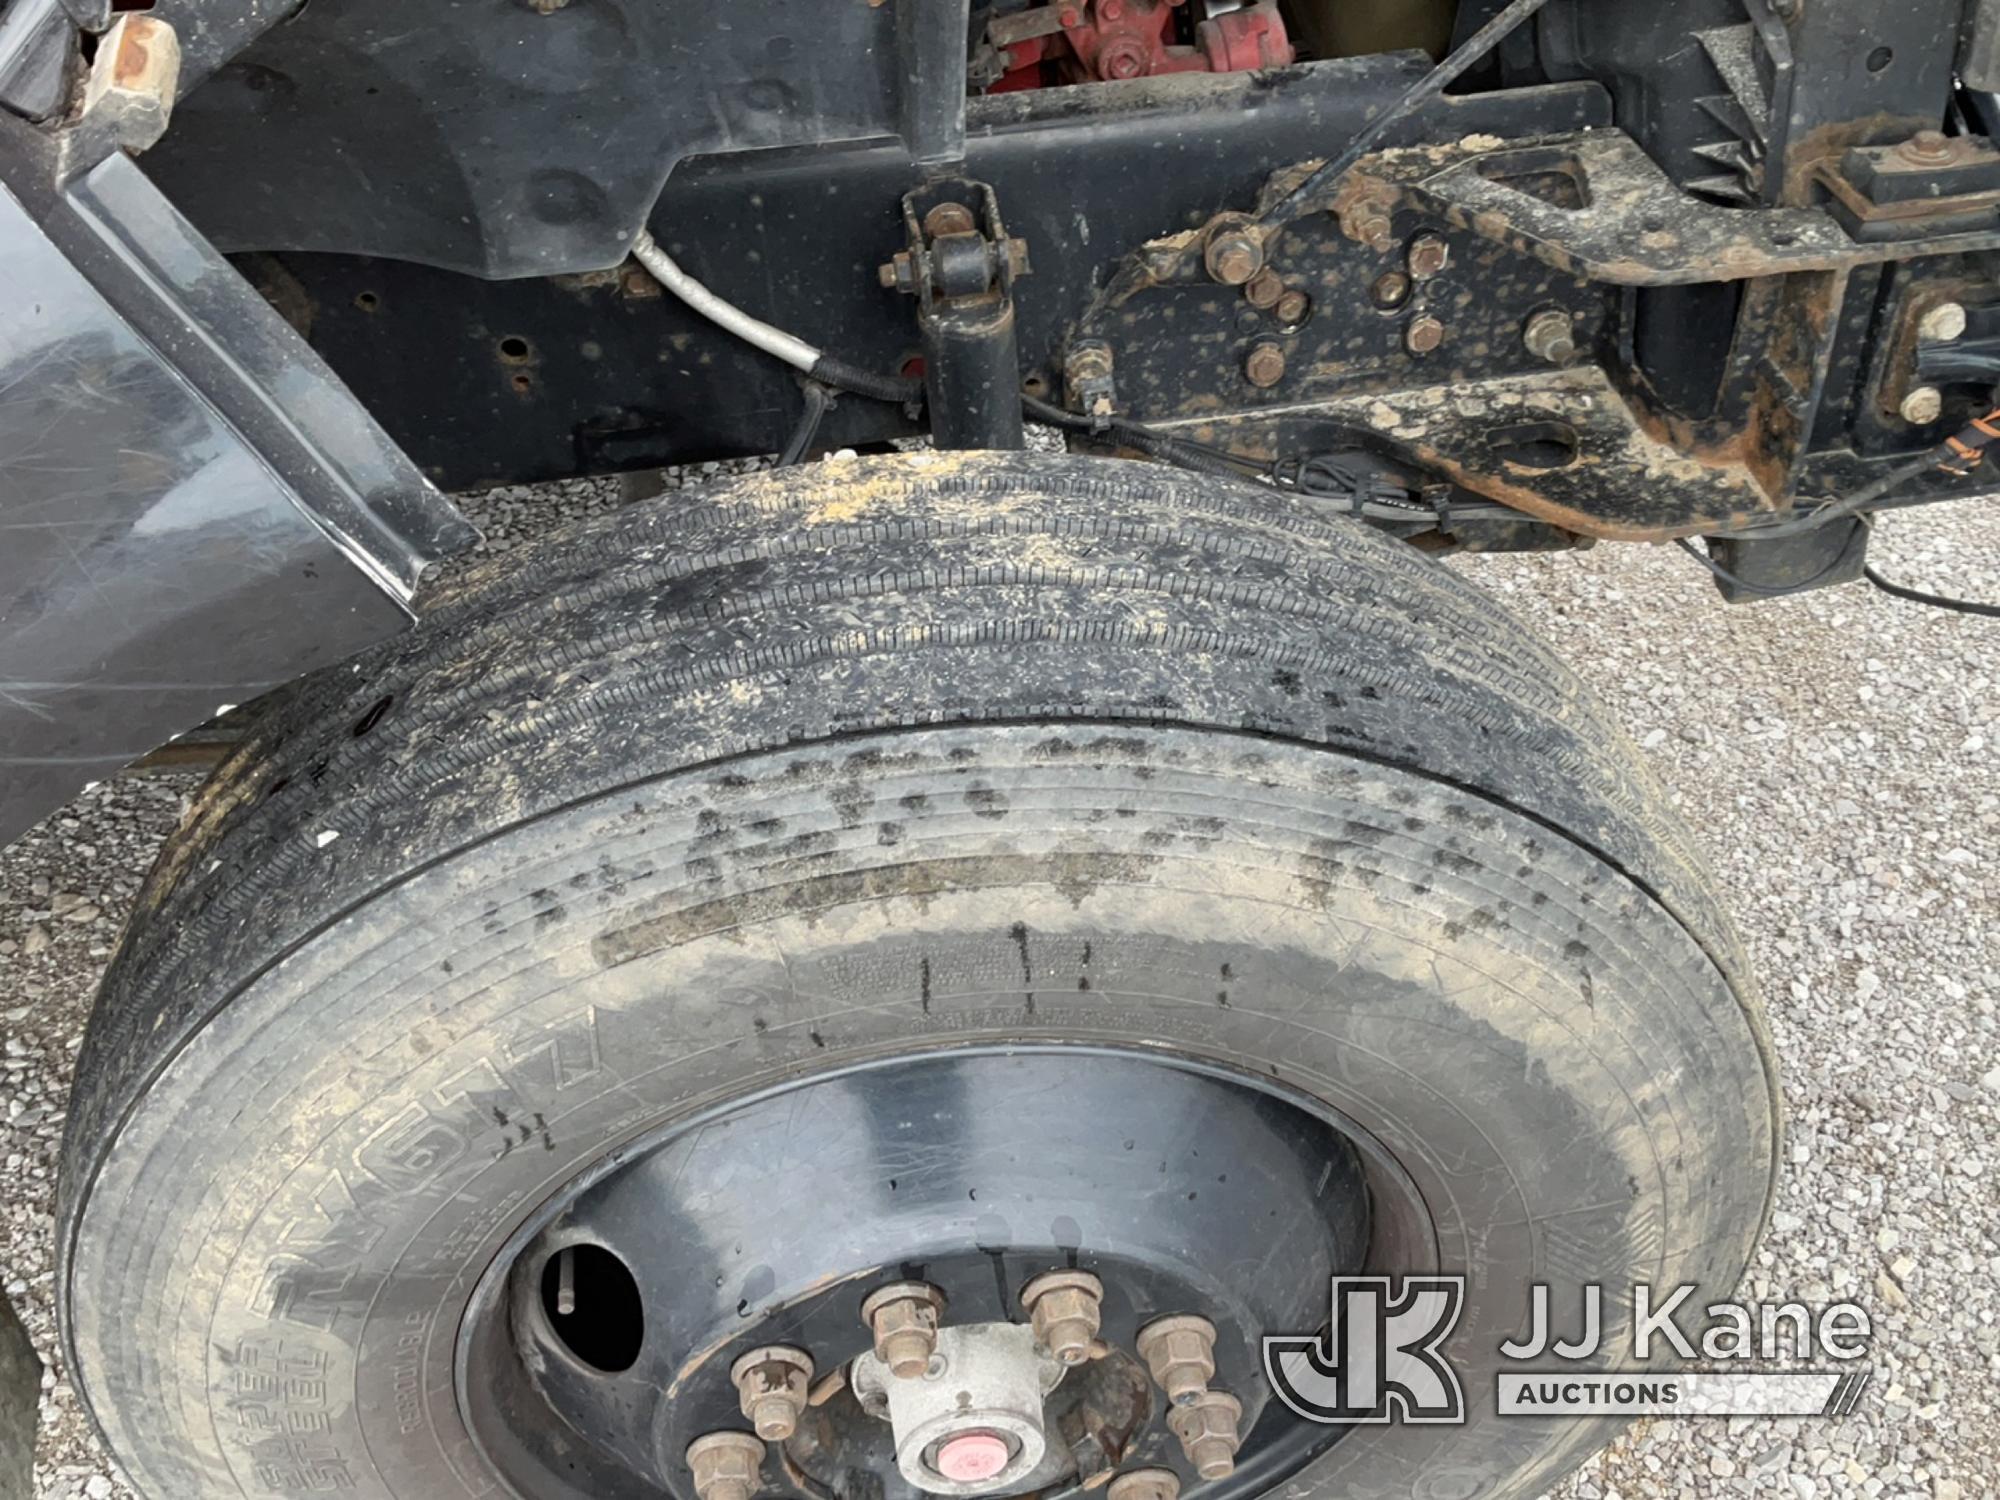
(1599, 206)
(1531, 243)
(1561, 445)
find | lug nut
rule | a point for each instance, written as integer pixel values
(1551, 336)
(1264, 366)
(1429, 255)
(1144, 1484)
(1206, 1427)
(903, 1316)
(1064, 1306)
(726, 1465)
(1423, 335)
(1264, 289)
(1180, 1351)
(771, 1383)
(1232, 254)
(1922, 406)
(1942, 323)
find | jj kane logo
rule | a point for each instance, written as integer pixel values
(1381, 1357)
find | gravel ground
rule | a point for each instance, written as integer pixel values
(1834, 754)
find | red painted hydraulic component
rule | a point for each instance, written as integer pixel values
(1089, 40)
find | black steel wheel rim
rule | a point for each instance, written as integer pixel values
(1185, 1186)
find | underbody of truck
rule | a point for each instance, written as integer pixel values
(934, 907)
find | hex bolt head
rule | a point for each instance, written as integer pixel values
(1264, 289)
(1391, 289)
(1423, 335)
(726, 1465)
(771, 1385)
(1206, 1427)
(1065, 1308)
(903, 1316)
(1232, 253)
(1927, 148)
(1922, 406)
(1429, 255)
(1180, 1351)
(1942, 323)
(949, 218)
(1144, 1484)
(1369, 224)
(1550, 335)
(1293, 308)
(1264, 366)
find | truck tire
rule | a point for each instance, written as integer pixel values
(938, 866)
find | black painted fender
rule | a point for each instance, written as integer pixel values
(193, 509)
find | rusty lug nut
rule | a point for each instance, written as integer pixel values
(1264, 366)
(1264, 289)
(1233, 255)
(1429, 255)
(1391, 289)
(904, 1319)
(1293, 308)
(1064, 1307)
(1550, 335)
(1922, 406)
(1423, 335)
(949, 218)
(726, 1465)
(1942, 323)
(1180, 1351)
(1207, 1429)
(772, 1384)
(1145, 1484)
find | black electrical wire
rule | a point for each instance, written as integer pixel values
(897, 390)
(1762, 590)
(1425, 89)
(819, 399)
(1935, 601)
(1894, 590)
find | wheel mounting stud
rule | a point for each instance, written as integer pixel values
(772, 1384)
(726, 1465)
(1207, 1427)
(1144, 1484)
(1065, 1308)
(904, 1316)
(1180, 1351)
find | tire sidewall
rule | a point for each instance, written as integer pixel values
(309, 1192)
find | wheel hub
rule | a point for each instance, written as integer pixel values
(972, 1422)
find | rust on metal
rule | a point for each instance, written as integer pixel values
(1065, 1308)
(903, 1317)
